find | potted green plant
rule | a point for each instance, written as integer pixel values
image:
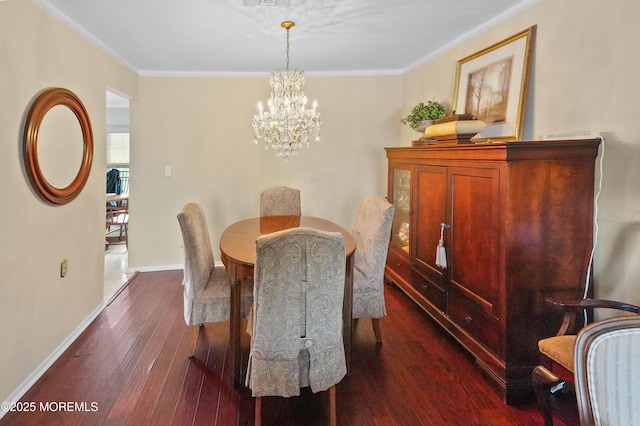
(422, 115)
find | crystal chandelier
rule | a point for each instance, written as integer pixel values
(287, 123)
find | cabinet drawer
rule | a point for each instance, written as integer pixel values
(430, 290)
(475, 320)
(399, 264)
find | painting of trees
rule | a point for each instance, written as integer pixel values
(488, 91)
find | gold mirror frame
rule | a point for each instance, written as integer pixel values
(46, 100)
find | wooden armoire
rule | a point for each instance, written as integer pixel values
(516, 220)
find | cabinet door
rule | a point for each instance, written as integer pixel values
(400, 197)
(430, 207)
(473, 241)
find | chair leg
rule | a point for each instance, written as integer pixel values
(332, 414)
(332, 406)
(195, 331)
(258, 412)
(376, 329)
(543, 380)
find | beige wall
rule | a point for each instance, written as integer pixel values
(38, 309)
(202, 129)
(584, 77)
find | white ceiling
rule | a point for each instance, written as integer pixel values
(228, 38)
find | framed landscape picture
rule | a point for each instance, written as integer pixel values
(492, 86)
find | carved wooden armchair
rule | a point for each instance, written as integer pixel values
(557, 353)
(607, 361)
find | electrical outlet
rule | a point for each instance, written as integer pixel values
(63, 268)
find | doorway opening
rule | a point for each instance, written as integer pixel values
(118, 179)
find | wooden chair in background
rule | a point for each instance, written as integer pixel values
(118, 217)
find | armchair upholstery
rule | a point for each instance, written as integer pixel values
(371, 232)
(296, 327)
(206, 287)
(607, 361)
(280, 201)
(557, 353)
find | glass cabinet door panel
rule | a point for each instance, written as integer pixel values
(402, 203)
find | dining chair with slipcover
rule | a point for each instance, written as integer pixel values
(557, 353)
(371, 233)
(280, 201)
(607, 372)
(207, 288)
(296, 323)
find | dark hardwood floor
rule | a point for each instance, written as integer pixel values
(131, 367)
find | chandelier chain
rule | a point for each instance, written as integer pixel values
(287, 69)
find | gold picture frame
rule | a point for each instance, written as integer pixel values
(492, 85)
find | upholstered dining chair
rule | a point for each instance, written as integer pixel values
(607, 362)
(557, 353)
(296, 324)
(207, 288)
(371, 232)
(280, 201)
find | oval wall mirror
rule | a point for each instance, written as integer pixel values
(60, 158)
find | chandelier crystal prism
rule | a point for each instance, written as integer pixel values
(287, 124)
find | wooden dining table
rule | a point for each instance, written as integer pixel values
(116, 198)
(237, 248)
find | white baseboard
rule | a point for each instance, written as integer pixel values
(162, 267)
(155, 268)
(48, 362)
